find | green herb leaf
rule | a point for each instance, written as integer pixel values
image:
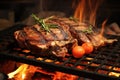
(89, 30)
(52, 25)
(45, 26)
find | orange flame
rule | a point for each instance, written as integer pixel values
(103, 27)
(26, 72)
(86, 10)
(22, 72)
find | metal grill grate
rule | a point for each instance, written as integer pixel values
(103, 63)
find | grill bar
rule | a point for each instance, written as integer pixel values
(62, 68)
(98, 65)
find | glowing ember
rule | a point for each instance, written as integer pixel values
(114, 74)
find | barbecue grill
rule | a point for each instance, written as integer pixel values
(100, 65)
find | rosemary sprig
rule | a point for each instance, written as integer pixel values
(45, 26)
(89, 30)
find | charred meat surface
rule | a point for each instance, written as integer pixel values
(55, 42)
(56, 36)
(85, 32)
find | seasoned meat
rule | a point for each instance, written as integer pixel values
(85, 32)
(57, 42)
(60, 39)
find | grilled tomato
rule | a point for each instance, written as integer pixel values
(78, 51)
(88, 47)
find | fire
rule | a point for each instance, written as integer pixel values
(86, 10)
(103, 27)
(27, 72)
(22, 72)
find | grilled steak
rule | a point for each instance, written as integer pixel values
(57, 40)
(85, 32)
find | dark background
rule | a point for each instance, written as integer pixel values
(109, 9)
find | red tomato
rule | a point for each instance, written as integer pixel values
(78, 51)
(88, 47)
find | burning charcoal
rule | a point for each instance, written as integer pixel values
(48, 60)
(39, 58)
(64, 76)
(94, 64)
(89, 58)
(114, 74)
(106, 66)
(40, 76)
(102, 71)
(80, 67)
(116, 69)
